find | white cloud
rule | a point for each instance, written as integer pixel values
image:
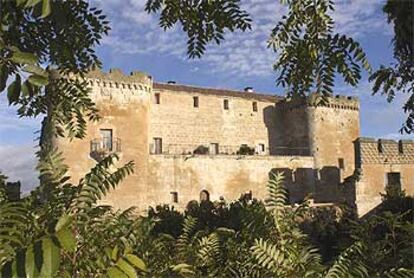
(241, 54)
(10, 121)
(18, 163)
(357, 18)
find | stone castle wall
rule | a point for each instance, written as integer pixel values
(123, 106)
(376, 159)
(184, 127)
(222, 176)
(311, 142)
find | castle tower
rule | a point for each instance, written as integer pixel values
(123, 103)
(332, 128)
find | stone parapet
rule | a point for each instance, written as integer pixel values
(116, 79)
(384, 151)
(117, 87)
(316, 100)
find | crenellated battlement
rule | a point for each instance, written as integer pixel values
(115, 85)
(384, 151)
(316, 100)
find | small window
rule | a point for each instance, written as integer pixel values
(341, 163)
(254, 106)
(261, 148)
(204, 196)
(394, 180)
(106, 136)
(174, 197)
(226, 104)
(214, 148)
(157, 145)
(157, 98)
(195, 102)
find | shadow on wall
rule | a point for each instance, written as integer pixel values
(323, 186)
(287, 131)
(274, 125)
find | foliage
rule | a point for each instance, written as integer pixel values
(310, 53)
(399, 76)
(245, 150)
(203, 21)
(58, 237)
(42, 45)
(201, 150)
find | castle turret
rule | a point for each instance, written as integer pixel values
(123, 103)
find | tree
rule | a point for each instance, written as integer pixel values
(203, 20)
(58, 238)
(399, 76)
(310, 53)
(43, 44)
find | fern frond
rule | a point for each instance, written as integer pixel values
(278, 196)
(184, 240)
(100, 180)
(398, 273)
(14, 220)
(52, 168)
(349, 263)
(209, 251)
(267, 255)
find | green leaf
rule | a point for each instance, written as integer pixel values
(31, 3)
(4, 74)
(115, 272)
(46, 8)
(36, 70)
(126, 268)
(24, 58)
(20, 2)
(51, 258)
(30, 265)
(13, 92)
(136, 261)
(66, 239)
(114, 254)
(38, 80)
(63, 222)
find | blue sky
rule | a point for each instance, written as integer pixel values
(137, 43)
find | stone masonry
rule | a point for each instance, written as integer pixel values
(191, 143)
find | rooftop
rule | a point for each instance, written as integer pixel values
(217, 92)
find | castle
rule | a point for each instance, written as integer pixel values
(192, 143)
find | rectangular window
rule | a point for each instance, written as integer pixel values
(254, 106)
(261, 148)
(174, 197)
(341, 163)
(157, 98)
(106, 136)
(394, 180)
(226, 104)
(157, 146)
(195, 102)
(214, 148)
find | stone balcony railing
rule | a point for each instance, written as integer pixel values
(101, 148)
(188, 149)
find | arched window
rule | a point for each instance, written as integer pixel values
(204, 196)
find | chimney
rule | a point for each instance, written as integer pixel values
(171, 82)
(248, 89)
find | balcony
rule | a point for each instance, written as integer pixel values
(235, 150)
(102, 147)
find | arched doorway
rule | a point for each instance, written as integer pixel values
(204, 196)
